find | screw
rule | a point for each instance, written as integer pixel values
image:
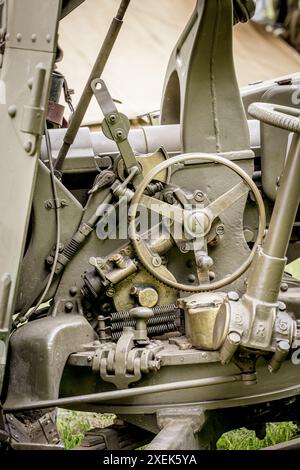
(12, 110)
(220, 230)
(156, 261)
(112, 118)
(69, 307)
(199, 196)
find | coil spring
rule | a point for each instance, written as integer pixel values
(70, 249)
(154, 188)
(161, 309)
(154, 330)
(159, 319)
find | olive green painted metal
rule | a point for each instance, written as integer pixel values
(96, 72)
(118, 307)
(25, 77)
(201, 91)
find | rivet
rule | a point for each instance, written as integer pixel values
(284, 287)
(191, 278)
(48, 37)
(12, 110)
(30, 83)
(73, 291)
(33, 37)
(28, 146)
(19, 37)
(69, 307)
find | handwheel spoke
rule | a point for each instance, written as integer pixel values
(174, 213)
(226, 200)
(203, 261)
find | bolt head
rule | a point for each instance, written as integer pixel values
(69, 307)
(28, 146)
(191, 278)
(199, 196)
(284, 287)
(73, 291)
(233, 296)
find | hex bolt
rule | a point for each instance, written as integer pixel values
(69, 307)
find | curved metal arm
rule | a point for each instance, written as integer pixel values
(275, 115)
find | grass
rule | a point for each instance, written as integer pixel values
(243, 439)
(73, 425)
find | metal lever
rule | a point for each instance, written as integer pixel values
(116, 126)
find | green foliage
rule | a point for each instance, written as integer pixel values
(243, 439)
(72, 425)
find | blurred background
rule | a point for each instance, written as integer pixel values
(264, 48)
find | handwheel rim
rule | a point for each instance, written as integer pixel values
(136, 239)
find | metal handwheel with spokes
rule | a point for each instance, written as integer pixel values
(191, 218)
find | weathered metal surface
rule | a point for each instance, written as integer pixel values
(103, 298)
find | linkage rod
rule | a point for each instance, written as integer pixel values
(87, 93)
(126, 393)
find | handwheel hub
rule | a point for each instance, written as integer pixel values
(197, 223)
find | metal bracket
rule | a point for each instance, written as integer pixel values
(33, 114)
(179, 428)
(116, 125)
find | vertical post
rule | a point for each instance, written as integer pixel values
(31, 40)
